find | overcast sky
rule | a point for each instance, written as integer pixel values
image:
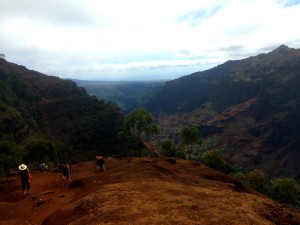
(141, 39)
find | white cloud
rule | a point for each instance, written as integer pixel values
(117, 39)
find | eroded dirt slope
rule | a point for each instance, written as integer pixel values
(139, 191)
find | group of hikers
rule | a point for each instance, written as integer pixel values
(64, 169)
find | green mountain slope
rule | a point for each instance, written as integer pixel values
(250, 106)
(33, 105)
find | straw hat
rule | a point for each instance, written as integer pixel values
(22, 167)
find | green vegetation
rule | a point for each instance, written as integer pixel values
(209, 143)
(10, 156)
(168, 149)
(39, 111)
(190, 137)
(40, 150)
(215, 160)
(240, 176)
(137, 124)
(258, 180)
(285, 190)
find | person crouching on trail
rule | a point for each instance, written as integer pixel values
(100, 163)
(66, 173)
(25, 179)
(43, 167)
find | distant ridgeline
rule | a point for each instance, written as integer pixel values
(127, 94)
(34, 106)
(249, 107)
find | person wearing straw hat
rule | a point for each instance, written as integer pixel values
(25, 179)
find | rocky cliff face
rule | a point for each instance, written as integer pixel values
(250, 106)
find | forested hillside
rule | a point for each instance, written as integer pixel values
(248, 108)
(34, 106)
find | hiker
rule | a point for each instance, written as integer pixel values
(43, 167)
(100, 163)
(66, 173)
(46, 167)
(25, 179)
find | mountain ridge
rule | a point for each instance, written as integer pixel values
(250, 106)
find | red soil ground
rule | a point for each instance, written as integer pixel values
(139, 191)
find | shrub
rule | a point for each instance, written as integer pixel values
(179, 154)
(285, 189)
(215, 160)
(167, 148)
(240, 176)
(258, 180)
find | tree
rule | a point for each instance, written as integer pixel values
(190, 136)
(10, 156)
(6, 157)
(285, 189)
(258, 179)
(5, 161)
(40, 150)
(168, 149)
(2, 56)
(137, 124)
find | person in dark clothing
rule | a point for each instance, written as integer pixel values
(100, 163)
(25, 179)
(66, 173)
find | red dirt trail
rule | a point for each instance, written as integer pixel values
(139, 191)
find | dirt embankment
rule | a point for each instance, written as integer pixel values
(139, 191)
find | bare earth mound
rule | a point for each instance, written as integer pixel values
(139, 191)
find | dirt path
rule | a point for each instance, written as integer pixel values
(139, 191)
(47, 194)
